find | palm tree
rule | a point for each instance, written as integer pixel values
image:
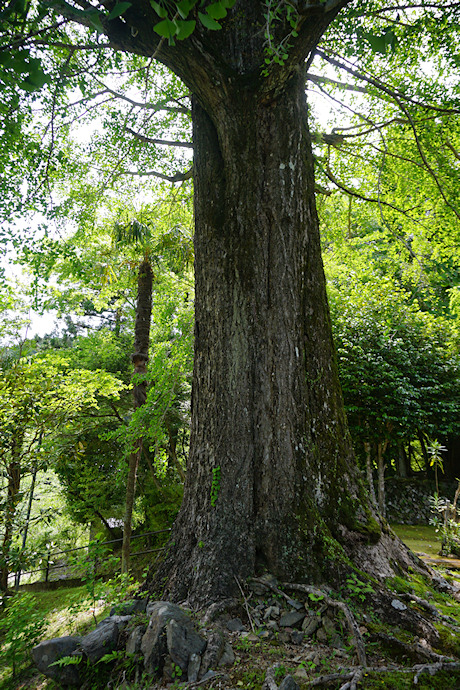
(137, 233)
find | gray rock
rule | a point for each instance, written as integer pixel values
(265, 635)
(100, 641)
(329, 626)
(235, 625)
(301, 673)
(297, 637)
(295, 604)
(398, 605)
(153, 644)
(284, 637)
(321, 635)
(311, 625)
(214, 650)
(272, 612)
(120, 621)
(49, 651)
(289, 620)
(209, 674)
(289, 684)
(228, 657)
(193, 668)
(133, 645)
(182, 641)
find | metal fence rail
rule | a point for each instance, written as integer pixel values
(49, 566)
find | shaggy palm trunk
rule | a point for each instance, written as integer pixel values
(139, 359)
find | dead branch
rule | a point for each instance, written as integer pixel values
(246, 605)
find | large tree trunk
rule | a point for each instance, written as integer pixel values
(271, 476)
(271, 479)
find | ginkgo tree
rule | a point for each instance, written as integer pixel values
(269, 440)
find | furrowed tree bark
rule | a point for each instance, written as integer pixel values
(140, 359)
(271, 479)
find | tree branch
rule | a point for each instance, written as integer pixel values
(162, 142)
(144, 106)
(178, 177)
(316, 79)
(381, 86)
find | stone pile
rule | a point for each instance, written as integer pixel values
(164, 640)
(166, 644)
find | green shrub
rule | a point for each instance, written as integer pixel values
(21, 627)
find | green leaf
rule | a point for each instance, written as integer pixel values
(185, 29)
(217, 10)
(377, 43)
(166, 28)
(34, 81)
(184, 7)
(119, 9)
(159, 9)
(209, 22)
(96, 22)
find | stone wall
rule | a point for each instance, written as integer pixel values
(408, 500)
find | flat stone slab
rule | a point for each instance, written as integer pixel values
(291, 619)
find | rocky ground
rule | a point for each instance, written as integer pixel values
(275, 637)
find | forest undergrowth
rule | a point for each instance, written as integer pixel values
(335, 639)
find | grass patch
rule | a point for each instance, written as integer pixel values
(419, 538)
(403, 681)
(66, 612)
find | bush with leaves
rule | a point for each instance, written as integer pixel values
(21, 627)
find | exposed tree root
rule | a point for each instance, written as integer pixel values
(354, 676)
(415, 651)
(430, 608)
(213, 611)
(340, 605)
(386, 606)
